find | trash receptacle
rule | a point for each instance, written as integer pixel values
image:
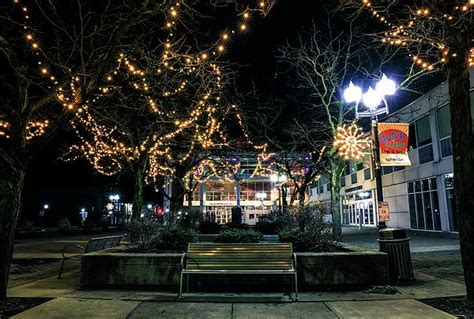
(396, 244)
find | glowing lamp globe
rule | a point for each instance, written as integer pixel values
(386, 86)
(352, 94)
(372, 99)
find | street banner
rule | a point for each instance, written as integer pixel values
(393, 144)
(384, 212)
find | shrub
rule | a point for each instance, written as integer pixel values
(209, 227)
(313, 234)
(176, 238)
(188, 218)
(236, 226)
(144, 232)
(28, 225)
(267, 227)
(63, 224)
(234, 235)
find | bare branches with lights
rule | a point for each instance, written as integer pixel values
(422, 28)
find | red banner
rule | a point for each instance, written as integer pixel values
(393, 144)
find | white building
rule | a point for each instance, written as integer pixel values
(420, 196)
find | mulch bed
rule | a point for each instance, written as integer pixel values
(16, 305)
(456, 306)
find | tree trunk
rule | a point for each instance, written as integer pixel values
(190, 193)
(11, 185)
(463, 160)
(138, 193)
(177, 195)
(337, 168)
(302, 196)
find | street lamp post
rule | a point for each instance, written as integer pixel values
(375, 105)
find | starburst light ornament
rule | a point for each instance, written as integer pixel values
(350, 141)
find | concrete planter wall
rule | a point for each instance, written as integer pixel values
(354, 267)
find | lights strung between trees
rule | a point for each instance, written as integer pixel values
(69, 97)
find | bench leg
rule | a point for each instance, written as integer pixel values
(61, 269)
(187, 283)
(180, 287)
(296, 285)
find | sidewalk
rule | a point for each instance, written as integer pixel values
(72, 302)
(438, 274)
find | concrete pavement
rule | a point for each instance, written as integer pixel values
(439, 278)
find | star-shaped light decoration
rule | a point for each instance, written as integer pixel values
(350, 141)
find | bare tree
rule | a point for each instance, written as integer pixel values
(438, 34)
(53, 59)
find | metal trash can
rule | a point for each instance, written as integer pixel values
(396, 244)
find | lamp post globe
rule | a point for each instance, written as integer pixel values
(352, 94)
(372, 99)
(386, 86)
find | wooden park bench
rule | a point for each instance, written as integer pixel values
(238, 259)
(94, 244)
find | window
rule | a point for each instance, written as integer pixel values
(354, 178)
(423, 137)
(353, 169)
(343, 181)
(359, 166)
(347, 169)
(367, 174)
(321, 185)
(444, 128)
(423, 204)
(423, 133)
(387, 170)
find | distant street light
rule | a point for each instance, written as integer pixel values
(150, 206)
(46, 206)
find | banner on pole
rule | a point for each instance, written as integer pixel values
(393, 144)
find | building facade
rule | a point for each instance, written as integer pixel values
(251, 192)
(420, 196)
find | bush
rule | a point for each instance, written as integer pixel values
(64, 224)
(236, 226)
(28, 225)
(209, 228)
(313, 233)
(144, 232)
(267, 227)
(234, 235)
(188, 218)
(175, 238)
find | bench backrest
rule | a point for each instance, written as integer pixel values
(216, 256)
(101, 243)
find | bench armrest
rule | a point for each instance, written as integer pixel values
(63, 252)
(294, 261)
(183, 257)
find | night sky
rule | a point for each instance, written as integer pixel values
(68, 187)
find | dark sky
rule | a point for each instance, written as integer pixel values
(67, 187)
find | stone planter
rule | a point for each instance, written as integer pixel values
(353, 267)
